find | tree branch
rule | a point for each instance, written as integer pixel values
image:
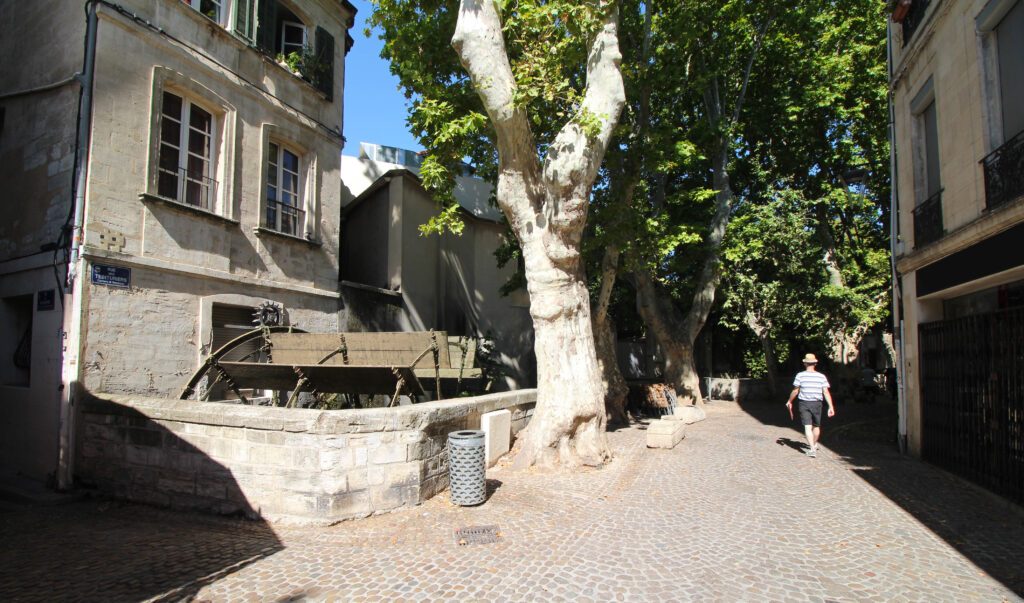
(574, 158)
(750, 65)
(480, 44)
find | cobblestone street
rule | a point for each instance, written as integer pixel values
(735, 512)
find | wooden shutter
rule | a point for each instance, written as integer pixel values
(324, 80)
(266, 30)
(1010, 40)
(229, 322)
(245, 26)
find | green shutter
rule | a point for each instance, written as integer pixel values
(245, 25)
(324, 77)
(266, 30)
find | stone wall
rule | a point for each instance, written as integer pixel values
(294, 465)
(738, 390)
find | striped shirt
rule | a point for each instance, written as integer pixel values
(812, 386)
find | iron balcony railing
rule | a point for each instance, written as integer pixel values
(1004, 172)
(913, 19)
(187, 187)
(928, 221)
(284, 218)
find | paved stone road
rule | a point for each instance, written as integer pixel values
(735, 512)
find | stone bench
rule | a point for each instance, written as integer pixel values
(664, 433)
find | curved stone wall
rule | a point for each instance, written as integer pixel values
(295, 465)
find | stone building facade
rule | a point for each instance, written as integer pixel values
(957, 79)
(201, 178)
(414, 282)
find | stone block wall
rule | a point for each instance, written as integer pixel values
(747, 390)
(293, 465)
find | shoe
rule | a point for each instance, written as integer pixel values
(813, 452)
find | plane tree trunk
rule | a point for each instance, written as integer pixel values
(626, 175)
(677, 336)
(762, 331)
(605, 340)
(546, 207)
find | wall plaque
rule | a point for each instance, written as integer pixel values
(111, 276)
(45, 300)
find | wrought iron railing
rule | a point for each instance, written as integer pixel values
(1004, 172)
(928, 221)
(913, 19)
(284, 218)
(187, 187)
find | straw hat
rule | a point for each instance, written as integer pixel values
(810, 359)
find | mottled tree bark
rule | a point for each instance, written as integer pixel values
(762, 331)
(889, 341)
(657, 311)
(845, 347)
(546, 206)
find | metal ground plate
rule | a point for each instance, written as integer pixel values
(477, 535)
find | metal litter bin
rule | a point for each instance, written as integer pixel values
(467, 467)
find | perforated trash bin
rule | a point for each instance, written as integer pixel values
(467, 467)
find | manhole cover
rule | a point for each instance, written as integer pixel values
(477, 535)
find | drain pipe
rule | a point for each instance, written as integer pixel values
(82, 141)
(72, 328)
(894, 217)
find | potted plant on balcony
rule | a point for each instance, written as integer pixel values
(304, 64)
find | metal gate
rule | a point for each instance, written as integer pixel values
(972, 398)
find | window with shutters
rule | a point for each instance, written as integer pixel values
(284, 33)
(245, 20)
(239, 16)
(277, 28)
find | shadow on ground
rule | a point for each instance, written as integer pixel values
(986, 529)
(100, 549)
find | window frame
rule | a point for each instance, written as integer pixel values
(291, 136)
(223, 141)
(184, 149)
(237, 7)
(224, 10)
(275, 166)
(987, 23)
(919, 104)
(285, 24)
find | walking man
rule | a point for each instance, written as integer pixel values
(810, 388)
